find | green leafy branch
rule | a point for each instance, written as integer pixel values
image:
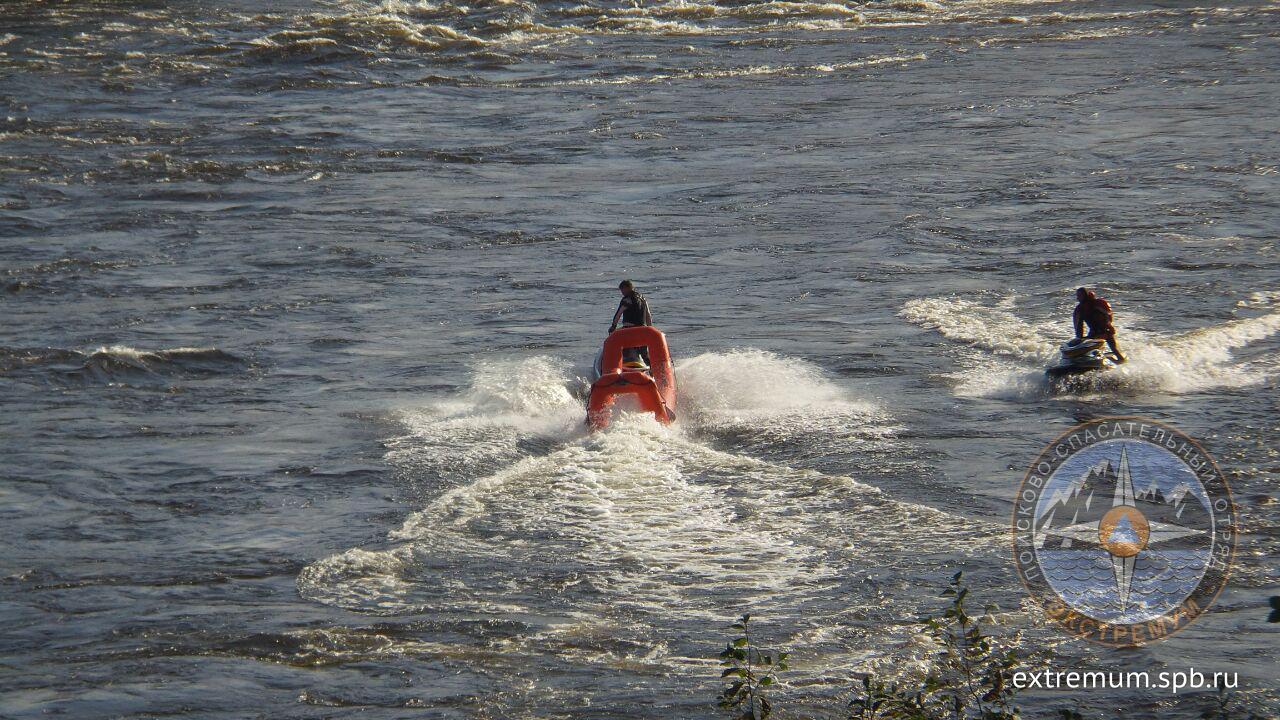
(750, 671)
(970, 677)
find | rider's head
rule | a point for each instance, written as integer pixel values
(627, 287)
(1083, 294)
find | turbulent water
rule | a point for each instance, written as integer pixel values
(298, 298)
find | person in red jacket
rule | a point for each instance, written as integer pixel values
(1095, 312)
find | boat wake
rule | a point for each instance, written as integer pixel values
(1003, 354)
(644, 526)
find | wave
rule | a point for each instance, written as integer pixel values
(118, 364)
(1005, 354)
(746, 71)
(41, 277)
(326, 37)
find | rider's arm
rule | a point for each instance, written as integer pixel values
(1077, 320)
(616, 316)
(648, 319)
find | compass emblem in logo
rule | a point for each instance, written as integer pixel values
(1124, 530)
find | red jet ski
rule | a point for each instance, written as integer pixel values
(622, 372)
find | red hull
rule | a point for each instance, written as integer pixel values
(654, 390)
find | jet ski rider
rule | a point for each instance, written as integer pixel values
(1095, 312)
(633, 311)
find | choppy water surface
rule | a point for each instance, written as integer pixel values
(297, 301)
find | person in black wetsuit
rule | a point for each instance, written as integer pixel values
(633, 311)
(1095, 312)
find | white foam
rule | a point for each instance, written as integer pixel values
(771, 403)
(752, 382)
(506, 401)
(642, 516)
(993, 327)
(1265, 298)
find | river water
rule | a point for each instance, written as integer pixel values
(298, 301)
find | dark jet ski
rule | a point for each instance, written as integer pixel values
(1080, 356)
